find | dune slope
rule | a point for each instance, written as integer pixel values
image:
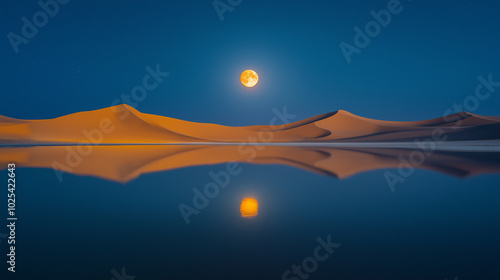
(123, 124)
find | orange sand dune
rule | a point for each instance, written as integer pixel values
(125, 163)
(123, 124)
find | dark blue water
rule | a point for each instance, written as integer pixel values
(432, 227)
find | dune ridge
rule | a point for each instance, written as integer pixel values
(123, 124)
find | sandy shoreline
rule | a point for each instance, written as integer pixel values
(487, 146)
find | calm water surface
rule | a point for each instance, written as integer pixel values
(431, 226)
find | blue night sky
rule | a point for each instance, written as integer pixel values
(91, 52)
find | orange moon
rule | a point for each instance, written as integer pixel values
(249, 207)
(249, 78)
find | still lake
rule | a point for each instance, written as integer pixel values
(431, 225)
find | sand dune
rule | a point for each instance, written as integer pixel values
(123, 124)
(125, 163)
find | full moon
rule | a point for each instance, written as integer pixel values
(249, 78)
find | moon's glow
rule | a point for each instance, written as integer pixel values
(249, 78)
(249, 207)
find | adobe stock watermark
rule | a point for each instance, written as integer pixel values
(139, 93)
(222, 178)
(362, 38)
(255, 144)
(223, 6)
(40, 19)
(76, 153)
(309, 265)
(121, 276)
(427, 147)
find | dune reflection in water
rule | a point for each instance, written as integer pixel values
(125, 163)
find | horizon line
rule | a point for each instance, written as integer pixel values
(473, 146)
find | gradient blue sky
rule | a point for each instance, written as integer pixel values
(91, 52)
